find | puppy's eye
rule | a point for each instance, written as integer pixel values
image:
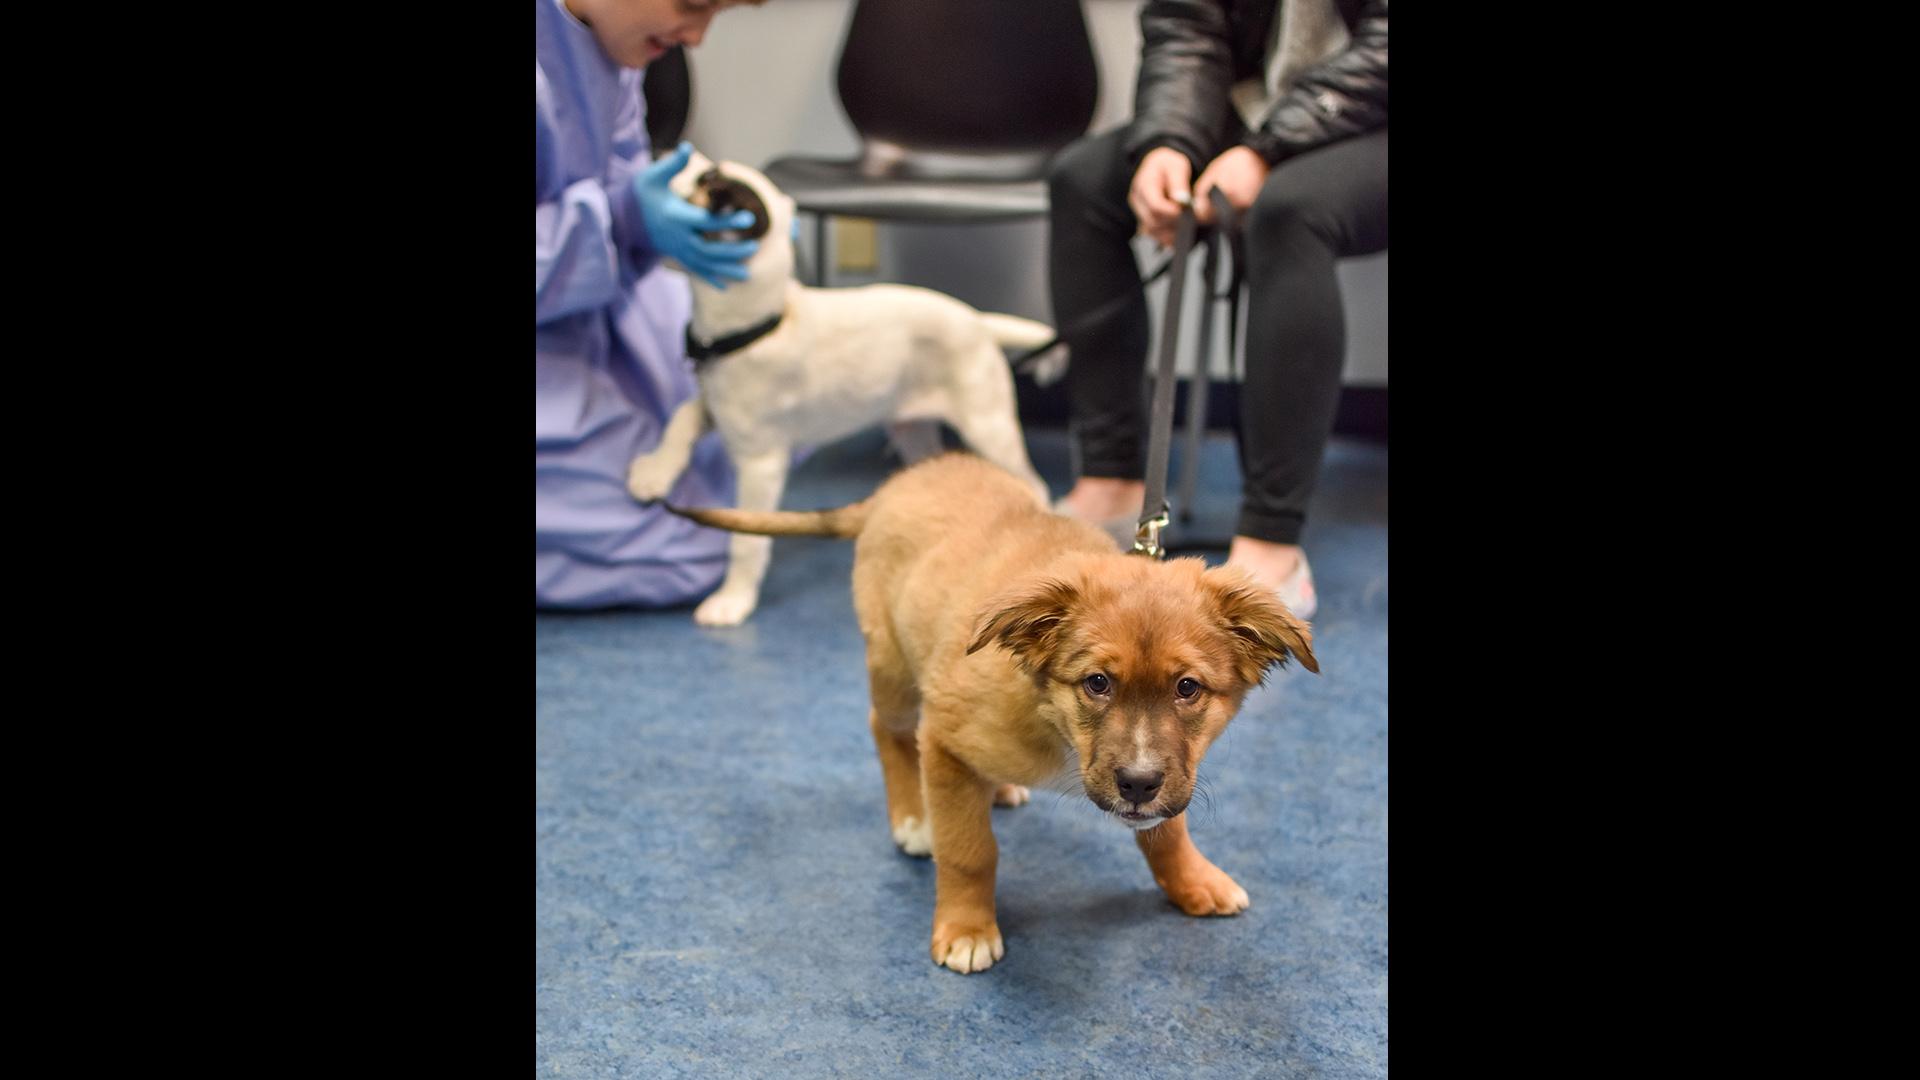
(1097, 684)
(1186, 688)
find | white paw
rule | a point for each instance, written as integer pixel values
(968, 953)
(651, 476)
(1011, 795)
(914, 836)
(725, 609)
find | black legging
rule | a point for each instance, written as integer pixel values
(1313, 209)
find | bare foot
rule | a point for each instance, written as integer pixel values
(1101, 499)
(1269, 563)
(1280, 567)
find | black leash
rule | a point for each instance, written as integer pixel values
(1095, 317)
(1146, 538)
(1153, 508)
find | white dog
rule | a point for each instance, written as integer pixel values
(782, 365)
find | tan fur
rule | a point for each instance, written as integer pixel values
(843, 522)
(983, 616)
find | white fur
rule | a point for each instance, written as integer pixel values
(841, 360)
(1139, 826)
(914, 836)
(1142, 761)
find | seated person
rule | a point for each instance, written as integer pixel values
(1282, 105)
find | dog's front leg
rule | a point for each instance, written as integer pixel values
(966, 936)
(651, 475)
(1195, 885)
(761, 479)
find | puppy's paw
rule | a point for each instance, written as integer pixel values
(1205, 891)
(1011, 795)
(967, 948)
(914, 836)
(725, 609)
(651, 476)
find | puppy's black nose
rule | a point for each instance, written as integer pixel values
(1138, 786)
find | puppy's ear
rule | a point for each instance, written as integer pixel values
(1264, 632)
(1029, 621)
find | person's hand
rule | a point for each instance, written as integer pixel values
(675, 225)
(1238, 174)
(1160, 188)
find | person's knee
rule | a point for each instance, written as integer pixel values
(1283, 208)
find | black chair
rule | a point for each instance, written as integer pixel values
(959, 104)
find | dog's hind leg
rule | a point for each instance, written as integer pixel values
(761, 480)
(998, 439)
(981, 409)
(896, 709)
(651, 475)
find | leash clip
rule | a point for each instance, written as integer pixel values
(1146, 540)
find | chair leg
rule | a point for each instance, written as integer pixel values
(1197, 386)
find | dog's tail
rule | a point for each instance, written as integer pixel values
(844, 522)
(1014, 332)
(1046, 354)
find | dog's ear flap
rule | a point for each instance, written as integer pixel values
(1029, 621)
(1264, 632)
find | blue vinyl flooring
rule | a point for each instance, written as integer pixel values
(716, 893)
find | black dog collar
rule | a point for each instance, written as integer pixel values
(699, 351)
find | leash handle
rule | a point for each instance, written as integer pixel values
(1225, 217)
(1154, 510)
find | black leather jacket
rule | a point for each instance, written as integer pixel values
(1195, 50)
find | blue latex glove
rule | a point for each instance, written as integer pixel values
(674, 225)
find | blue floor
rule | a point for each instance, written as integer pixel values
(716, 893)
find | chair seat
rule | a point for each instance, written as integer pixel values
(820, 185)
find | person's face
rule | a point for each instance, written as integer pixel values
(635, 32)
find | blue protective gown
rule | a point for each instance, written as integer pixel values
(609, 354)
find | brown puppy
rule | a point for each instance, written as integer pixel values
(1006, 645)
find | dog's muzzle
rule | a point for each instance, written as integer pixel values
(724, 196)
(1134, 816)
(1137, 821)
